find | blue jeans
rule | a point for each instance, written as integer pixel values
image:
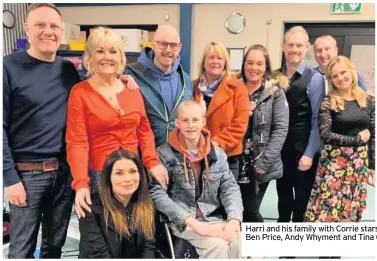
(49, 198)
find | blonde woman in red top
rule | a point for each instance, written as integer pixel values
(104, 116)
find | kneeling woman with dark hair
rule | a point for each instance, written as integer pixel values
(121, 222)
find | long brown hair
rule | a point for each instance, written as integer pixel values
(336, 101)
(141, 206)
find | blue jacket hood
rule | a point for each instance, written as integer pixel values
(146, 59)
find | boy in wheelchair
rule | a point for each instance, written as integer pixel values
(200, 186)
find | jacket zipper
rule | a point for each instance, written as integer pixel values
(175, 106)
(261, 135)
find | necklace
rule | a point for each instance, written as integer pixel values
(115, 104)
(112, 96)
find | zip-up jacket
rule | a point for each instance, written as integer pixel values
(162, 120)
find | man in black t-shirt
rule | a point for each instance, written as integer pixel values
(36, 177)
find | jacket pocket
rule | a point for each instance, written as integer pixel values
(213, 185)
(178, 176)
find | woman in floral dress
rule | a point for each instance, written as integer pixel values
(346, 123)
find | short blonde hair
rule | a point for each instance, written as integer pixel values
(220, 50)
(188, 104)
(336, 101)
(297, 29)
(103, 34)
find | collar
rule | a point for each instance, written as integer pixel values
(300, 69)
(318, 70)
(259, 90)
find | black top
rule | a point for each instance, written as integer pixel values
(247, 157)
(207, 100)
(99, 240)
(342, 128)
(300, 111)
(35, 95)
(351, 120)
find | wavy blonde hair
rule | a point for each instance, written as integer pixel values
(106, 35)
(220, 50)
(337, 101)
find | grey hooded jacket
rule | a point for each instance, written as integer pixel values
(270, 125)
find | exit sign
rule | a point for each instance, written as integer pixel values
(346, 8)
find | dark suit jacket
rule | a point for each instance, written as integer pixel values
(101, 241)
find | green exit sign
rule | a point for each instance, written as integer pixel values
(346, 8)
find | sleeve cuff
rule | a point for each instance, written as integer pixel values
(310, 152)
(236, 217)
(79, 184)
(221, 144)
(10, 177)
(179, 220)
(152, 163)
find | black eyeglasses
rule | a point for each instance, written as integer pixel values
(163, 45)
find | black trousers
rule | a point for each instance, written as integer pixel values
(252, 201)
(294, 188)
(234, 165)
(49, 200)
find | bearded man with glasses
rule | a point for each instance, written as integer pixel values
(162, 81)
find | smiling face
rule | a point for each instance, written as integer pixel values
(214, 65)
(341, 76)
(325, 50)
(44, 30)
(190, 121)
(295, 47)
(255, 66)
(124, 179)
(105, 59)
(104, 53)
(166, 47)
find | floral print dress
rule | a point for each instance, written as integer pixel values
(340, 188)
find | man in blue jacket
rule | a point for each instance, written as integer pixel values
(162, 81)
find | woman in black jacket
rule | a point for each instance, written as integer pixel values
(121, 221)
(266, 132)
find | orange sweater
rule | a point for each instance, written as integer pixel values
(95, 129)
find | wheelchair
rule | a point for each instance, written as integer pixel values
(170, 246)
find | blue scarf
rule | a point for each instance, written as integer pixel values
(209, 89)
